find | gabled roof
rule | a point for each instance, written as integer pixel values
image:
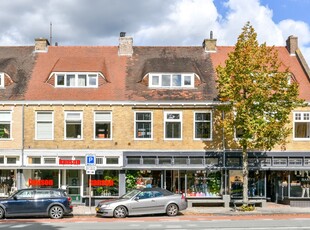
(288, 61)
(17, 64)
(78, 59)
(147, 60)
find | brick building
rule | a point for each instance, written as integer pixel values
(147, 112)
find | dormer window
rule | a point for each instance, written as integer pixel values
(171, 80)
(76, 80)
(1, 80)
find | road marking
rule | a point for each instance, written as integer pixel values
(20, 226)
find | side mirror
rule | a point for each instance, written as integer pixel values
(136, 198)
(15, 197)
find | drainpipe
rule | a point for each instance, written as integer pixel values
(20, 171)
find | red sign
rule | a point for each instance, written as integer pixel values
(108, 183)
(69, 162)
(40, 182)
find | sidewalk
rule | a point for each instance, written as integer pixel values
(270, 209)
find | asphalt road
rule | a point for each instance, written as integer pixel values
(275, 222)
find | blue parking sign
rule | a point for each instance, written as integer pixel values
(90, 160)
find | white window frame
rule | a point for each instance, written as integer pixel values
(1, 80)
(5, 121)
(76, 79)
(73, 120)
(138, 121)
(202, 121)
(160, 80)
(166, 120)
(103, 120)
(44, 121)
(304, 117)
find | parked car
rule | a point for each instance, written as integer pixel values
(51, 202)
(141, 202)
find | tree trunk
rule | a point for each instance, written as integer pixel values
(245, 173)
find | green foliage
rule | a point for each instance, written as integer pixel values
(214, 182)
(258, 94)
(131, 177)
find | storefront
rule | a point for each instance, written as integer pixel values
(7, 182)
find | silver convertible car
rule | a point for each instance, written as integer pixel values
(142, 202)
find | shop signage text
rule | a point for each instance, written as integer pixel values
(69, 162)
(102, 183)
(40, 182)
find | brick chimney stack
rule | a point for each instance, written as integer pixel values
(292, 44)
(41, 45)
(125, 45)
(209, 45)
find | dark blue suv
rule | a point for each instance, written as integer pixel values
(51, 202)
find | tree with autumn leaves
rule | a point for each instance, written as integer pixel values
(258, 97)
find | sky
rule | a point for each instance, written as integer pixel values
(153, 22)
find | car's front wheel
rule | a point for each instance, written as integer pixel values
(56, 212)
(172, 210)
(1, 213)
(120, 212)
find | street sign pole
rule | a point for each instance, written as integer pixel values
(89, 193)
(90, 167)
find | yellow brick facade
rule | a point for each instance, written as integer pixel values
(122, 130)
(16, 140)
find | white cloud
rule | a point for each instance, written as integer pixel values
(152, 22)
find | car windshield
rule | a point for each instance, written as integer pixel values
(130, 194)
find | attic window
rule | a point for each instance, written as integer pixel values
(76, 80)
(171, 80)
(1, 80)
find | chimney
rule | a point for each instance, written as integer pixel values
(209, 45)
(125, 45)
(41, 45)
(292, 44)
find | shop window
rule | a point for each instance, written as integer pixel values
(302, 125)
(180, 160)
(7, 182)
(203, 184)
(133, 160)
(233, 161)
(173, 125)
(149, 160)
(214, 161)
(106, 183)
(295, 162)
(112, 160)
(99, 160)
(164, 160)
(143, 125)
(300, 184)
(5, 124)
(103, 125)
(49, 160)
(80, 159)
(307, 161)
(73, 125)
(203, 125)
(11, 160)
(196, 160)
(279, 162)
(265, 162)
(34, 160)
(44, 125)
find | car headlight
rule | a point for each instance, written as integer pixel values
(103, 205)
